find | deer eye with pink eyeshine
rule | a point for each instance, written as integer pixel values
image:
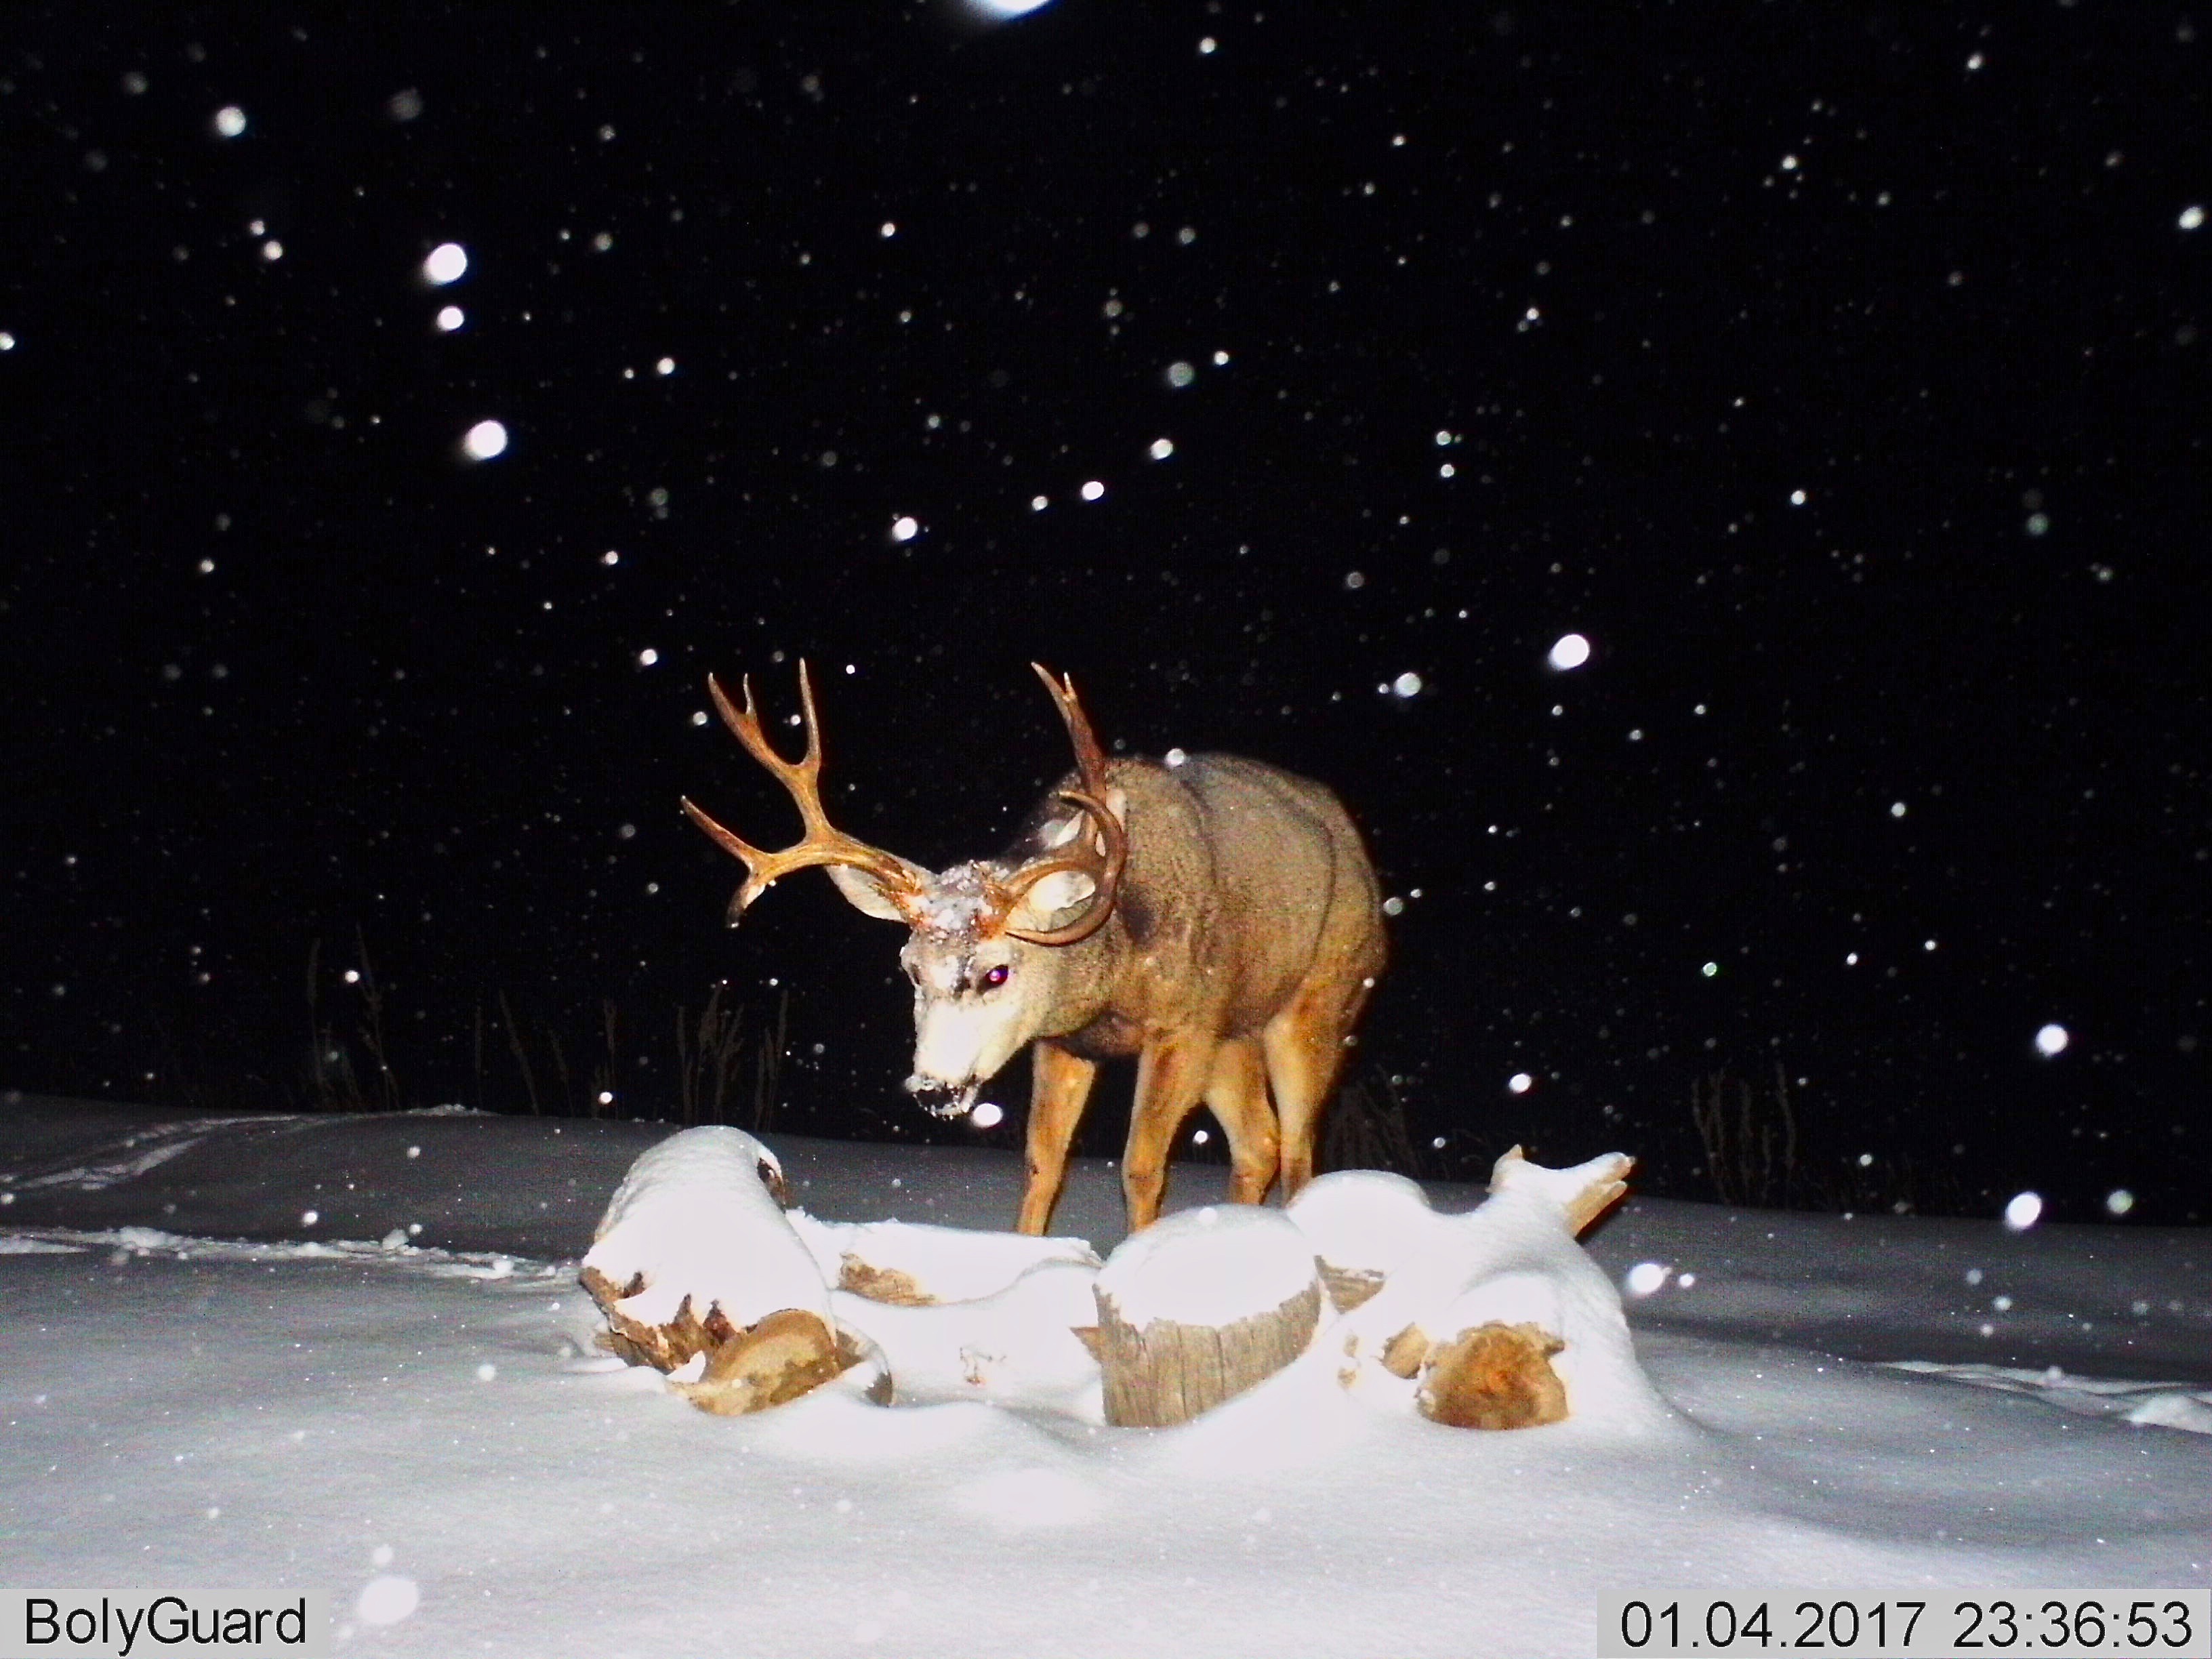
(996, 977)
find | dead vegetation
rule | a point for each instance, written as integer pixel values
(728, 1062)
(1756, 1155)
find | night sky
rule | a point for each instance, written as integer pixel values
(1838, 371)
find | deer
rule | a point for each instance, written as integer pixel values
(1214, 916)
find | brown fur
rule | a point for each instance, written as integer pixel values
(1261, 935)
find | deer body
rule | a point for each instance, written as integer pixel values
(1217, 919)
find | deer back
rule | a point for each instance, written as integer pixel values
(1240, 879)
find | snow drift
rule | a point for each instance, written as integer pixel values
(204, 1388)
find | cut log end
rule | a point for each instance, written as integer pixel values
(1494, 1376)
(789, 1354)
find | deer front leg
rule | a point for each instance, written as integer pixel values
(1060, 1083)
(1170, 1076)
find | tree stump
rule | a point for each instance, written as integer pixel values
(1198, 1308)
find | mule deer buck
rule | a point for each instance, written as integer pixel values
(1217, 917)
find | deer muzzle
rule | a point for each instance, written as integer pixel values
(941, 1097)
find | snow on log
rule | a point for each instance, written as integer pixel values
(1363, 1223)
(1017, 1346)
(914, 1264)
(1200, 1307)
(694, 1257)
(1583, 1192)
(1492, 1318)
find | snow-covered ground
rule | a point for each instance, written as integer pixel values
(349, 1354)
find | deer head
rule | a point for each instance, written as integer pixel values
(986, 939)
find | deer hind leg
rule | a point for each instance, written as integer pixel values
(1170, 1077)
(1237, 1095)
(1304, 1047)
(1060, 1083)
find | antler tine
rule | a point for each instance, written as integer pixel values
(823, 844)
(1104, 869)
(1090, 760)
(744, 725)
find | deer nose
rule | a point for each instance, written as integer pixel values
(941, 1096)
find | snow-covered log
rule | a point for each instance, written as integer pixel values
(1493, 1370)
(1017, 1345)
(1494, 1318)
(1582, 1193)
(704, 1274)
(1491, 1319)
(914, 1264)
(1200, 1307)
(694, 1257)
(1364, 1223)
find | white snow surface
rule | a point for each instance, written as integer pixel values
(1365, 1221)
(1016, 1346)
(201, 1390)
(1211, 1266)
(948, 1264)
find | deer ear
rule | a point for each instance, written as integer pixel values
(1057, 833)
(1046, 904)
(862, 892)
(1117, 803)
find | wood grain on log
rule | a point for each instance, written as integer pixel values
(1348, 1287)
(1403, 1353)
(1164, 1373)
(789, 1354)
(882, 1284)
(663, 1347)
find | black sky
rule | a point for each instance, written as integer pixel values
(1836, 369)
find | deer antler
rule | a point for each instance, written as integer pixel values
(1105, 868)
(901, 883)
(1090, 760)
